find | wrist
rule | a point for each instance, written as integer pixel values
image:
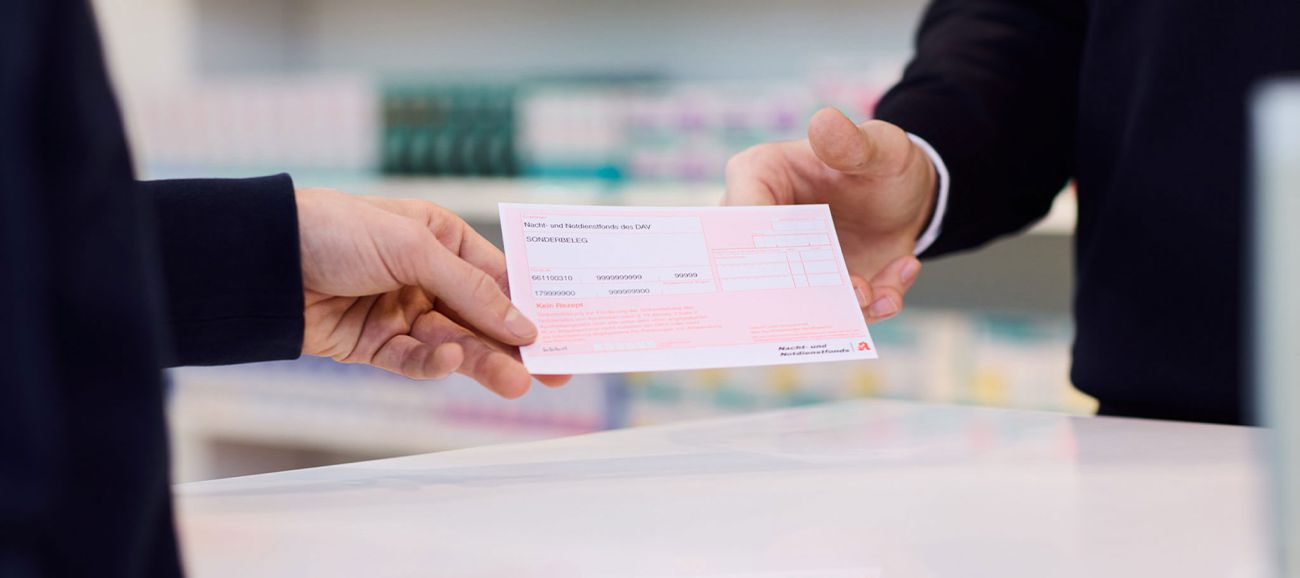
(925, 189)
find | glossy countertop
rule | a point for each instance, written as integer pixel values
(867, 489)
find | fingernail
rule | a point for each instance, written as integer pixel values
(910, 269)
(520, 325)
(882, 308)
(862, 298)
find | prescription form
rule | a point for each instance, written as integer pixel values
(615, 289)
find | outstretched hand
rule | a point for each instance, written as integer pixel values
(408, 287)
(880, 187)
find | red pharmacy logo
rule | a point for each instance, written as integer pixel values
(862, 346)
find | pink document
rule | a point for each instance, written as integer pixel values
(616, 289)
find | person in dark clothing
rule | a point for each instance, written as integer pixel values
(104, 281)
(1142, 104)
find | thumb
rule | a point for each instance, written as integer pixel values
(873, 149)
(466, 289)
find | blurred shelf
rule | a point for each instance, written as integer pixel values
(315, 405)
(228, 420)
(234, 420)
(237, 421)
(476, 199)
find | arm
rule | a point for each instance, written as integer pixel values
(993, 89)
(231, 270)
(255, 270)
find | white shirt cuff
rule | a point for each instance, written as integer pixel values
(932, 231)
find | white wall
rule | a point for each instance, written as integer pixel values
(155, 43)
(688, 38)
(149, 43)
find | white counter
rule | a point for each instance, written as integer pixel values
(862, 489)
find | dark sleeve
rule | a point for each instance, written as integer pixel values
(993, 88)
(231, 268)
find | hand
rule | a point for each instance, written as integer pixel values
(880, 187)
(408, 287)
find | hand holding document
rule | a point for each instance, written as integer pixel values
(615, 289)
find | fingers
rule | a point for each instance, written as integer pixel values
(436, 347)
(479, 252)
(796, 172)
(433, 252)
(873, 149)
(553, 380)
(762, 175)
(432, 346)
(443, 256)
(882, 297)
(408, 356)
(478, 298)
(452, 231)
(862, 290)
(495, 369)
(547, 380)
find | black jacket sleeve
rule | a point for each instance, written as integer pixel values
(993, 88)
(231, 268)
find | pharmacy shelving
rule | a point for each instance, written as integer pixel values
(352, 412)
(476, 199)
(208, 413)
(315, 405)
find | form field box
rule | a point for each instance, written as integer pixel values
(756, 283)
(815, 267)
(753, 258)
(764, 270)
(825, 280)
(817, 255)
(766, 241)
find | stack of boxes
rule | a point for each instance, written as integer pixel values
(612, 130)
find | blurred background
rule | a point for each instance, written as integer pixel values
(470, 103)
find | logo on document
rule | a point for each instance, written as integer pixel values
(862, 346)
